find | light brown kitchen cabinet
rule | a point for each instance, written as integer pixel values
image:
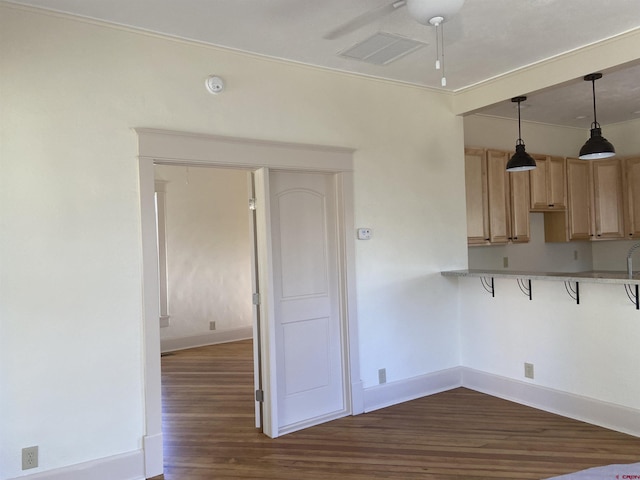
(497, 201)
(548, 184)
(579, 197)
(499, 194)
(519, 196)
(475, 170)
(608, 199)
(595, 200)
(632, 197)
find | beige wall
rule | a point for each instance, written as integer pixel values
(71, 343)
(208, 240)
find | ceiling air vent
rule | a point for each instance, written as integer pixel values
(382, 49)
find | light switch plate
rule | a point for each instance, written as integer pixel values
(364, 234)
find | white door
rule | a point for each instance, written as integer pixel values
(308, 331)
(306, 328)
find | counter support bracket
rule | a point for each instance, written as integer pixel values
(525, 287)
(488, 285)
(632, 293)
(573, 292)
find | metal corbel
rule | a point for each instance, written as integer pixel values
(573, 292)
(632, 293)
(525, 287)
(488, 285)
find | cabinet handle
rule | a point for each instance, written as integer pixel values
(551, 205)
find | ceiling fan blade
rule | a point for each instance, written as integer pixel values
(363, 19)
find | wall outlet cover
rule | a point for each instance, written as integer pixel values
(528, 370)
(29, 457)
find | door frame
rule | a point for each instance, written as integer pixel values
(181, 148)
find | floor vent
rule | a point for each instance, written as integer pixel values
(382, 48)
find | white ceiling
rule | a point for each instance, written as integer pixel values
(487, 38)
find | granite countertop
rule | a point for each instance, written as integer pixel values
(593, 276)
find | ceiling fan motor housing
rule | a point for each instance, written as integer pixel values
(424, 10)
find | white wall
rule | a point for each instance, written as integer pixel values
(208, 253)
(71, 343)
(536, 255)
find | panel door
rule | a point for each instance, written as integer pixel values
(632, 197)
(520, 225)
(538, 178)
(475, 172)
(579, 188)
(608, 203)
(308, 333)
(499, 201)
(557, 183)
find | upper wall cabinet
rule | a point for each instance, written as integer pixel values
(497, 201)
(632, 197)
(548, 184)
(595, 200)
(475, 171)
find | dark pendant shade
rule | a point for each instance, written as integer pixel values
(521, 160)
(597, 146)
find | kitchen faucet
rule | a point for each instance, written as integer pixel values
(629, 261)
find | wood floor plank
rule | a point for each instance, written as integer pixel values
(460, 434)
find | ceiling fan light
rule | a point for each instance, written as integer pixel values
(596, 147)
(521, 160)
(425, 10)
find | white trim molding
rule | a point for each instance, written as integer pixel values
(388, 394)
(213, 338)
(127, 466)
(596, 412)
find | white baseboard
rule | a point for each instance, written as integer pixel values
(596, 412)
(382, 396)
(221, 336)
(127, 466)
(589, 410)
(357, 398)
(153, 455)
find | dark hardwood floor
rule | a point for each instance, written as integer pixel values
(460, 434)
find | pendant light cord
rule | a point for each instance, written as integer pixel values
(595, 123)
(519, 142)
(443, 82)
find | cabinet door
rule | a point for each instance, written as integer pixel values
(519, 188)
(548, 184)
(632, 196)
(579, 187)
(556, 183)
(475, 172)
(538, 180)
(607, 195)
(499, 196)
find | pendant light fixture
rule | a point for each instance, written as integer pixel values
(597, 146)
(435, 13)
(521, 160)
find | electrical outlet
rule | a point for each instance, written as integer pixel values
(29, 457)
(505, 262)
(528, 370)
(382, 376)
(212, 325)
